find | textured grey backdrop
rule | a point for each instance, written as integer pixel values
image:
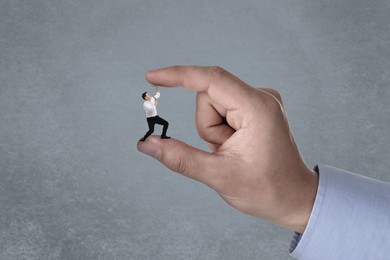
(72, 184)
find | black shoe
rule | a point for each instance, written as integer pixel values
(142, 139)
(165, 137)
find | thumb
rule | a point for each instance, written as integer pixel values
(182, 158)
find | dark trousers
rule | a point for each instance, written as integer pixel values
(156, 120)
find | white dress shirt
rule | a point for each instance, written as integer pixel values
(150, 107)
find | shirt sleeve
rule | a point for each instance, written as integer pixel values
(350, 219)
(157, 95)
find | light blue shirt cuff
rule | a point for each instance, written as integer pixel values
(350, 219)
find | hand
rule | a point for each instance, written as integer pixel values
(254, 165)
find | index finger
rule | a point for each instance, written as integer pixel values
(223, 88)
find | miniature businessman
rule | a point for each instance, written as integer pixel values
(150, 106)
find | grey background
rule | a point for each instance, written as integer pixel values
(72, 184)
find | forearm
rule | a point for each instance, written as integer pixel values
(157, 95)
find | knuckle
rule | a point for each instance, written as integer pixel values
(273, 105)
(270, 99)
(273, 92)
(276, 94)
(183, 164)
(217, 71)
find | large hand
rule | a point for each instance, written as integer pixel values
(254, 165)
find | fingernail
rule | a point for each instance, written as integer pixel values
(150, 149)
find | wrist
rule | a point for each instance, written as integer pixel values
(308, 194)
(300, 202)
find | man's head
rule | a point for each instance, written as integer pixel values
(146, 96)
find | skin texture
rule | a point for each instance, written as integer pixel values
(254, 163)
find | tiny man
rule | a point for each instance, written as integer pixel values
(150, 107)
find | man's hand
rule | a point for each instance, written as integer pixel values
(157, 95)
(254, 165)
